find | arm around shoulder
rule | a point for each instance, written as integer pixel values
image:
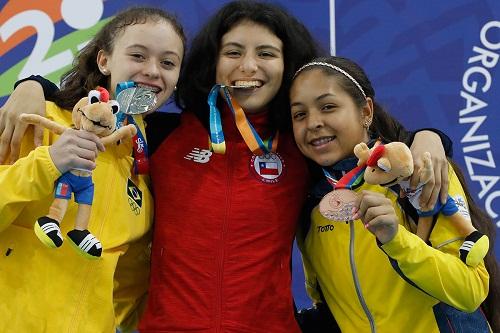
(439, 272)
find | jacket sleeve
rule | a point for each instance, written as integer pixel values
(49, 88)
(31, 178)
(131, 284)
(437, 269)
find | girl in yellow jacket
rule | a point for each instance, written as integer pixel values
(56, 290)
(371, 270)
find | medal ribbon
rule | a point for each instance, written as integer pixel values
(354, 178)
(351, 180)
(247, 131)
(216, 138)
(140, 146)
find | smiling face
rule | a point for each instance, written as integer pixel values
(327, 123)
(149, 54)
(251, 55)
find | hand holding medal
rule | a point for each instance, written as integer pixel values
(338, 205)
(377, 213)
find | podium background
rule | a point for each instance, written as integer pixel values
(432, 63)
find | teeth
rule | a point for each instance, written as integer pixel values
(247, 84)
(322, 141)
(153, 89)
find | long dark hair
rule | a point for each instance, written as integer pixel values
(85, 74)
(483, 223)
(198, 75)
(389, 129)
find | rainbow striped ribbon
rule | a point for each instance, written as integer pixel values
(254, 142)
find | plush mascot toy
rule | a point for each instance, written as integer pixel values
(95, 113)
(391, 164)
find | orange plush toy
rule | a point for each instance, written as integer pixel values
(391, 164)
(95, 113)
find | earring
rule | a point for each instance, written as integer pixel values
(104, 71)
(367, 124)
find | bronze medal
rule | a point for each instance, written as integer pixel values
(338, 204)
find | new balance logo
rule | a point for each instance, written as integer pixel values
(199, 155)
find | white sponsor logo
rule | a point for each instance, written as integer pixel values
(199, 155)
(140, 145)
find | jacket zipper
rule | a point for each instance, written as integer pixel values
(221, 254)
(356, 280)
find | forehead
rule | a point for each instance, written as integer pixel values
(159, 33)
(249, 33)
(315, 81)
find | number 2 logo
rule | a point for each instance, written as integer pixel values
(71, 10)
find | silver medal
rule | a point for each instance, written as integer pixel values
(136, 100)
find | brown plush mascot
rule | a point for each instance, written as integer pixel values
(95, 113)
(391, 164)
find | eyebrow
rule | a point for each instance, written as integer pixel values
(325, 96)
(260, 47)
(319, 98)
(145, 48)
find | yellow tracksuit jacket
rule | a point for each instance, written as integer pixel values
(404, 285)
(57, 290)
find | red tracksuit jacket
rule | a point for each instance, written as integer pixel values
(224, 227)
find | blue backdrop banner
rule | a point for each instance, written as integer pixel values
(432, 63)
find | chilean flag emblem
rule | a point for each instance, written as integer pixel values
(269, 168)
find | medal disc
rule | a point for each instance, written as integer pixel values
(337, 205)
(136, 100)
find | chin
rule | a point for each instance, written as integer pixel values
(324, 162)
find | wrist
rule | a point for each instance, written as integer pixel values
(385, 238)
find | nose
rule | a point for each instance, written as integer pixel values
(248, 64)
(151, 69)
(314, 121)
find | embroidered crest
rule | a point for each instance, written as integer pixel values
(134, 197)
(268, 168)
(462, 206)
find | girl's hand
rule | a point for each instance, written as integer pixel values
(427, 141)
(75, 149)
(26, 98)
(377, 214)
